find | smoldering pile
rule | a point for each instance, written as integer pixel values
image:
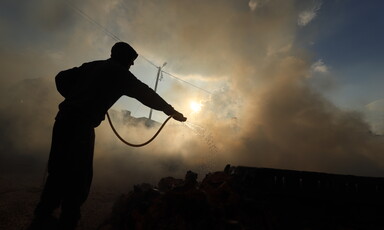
(185, 203)
(251, 198)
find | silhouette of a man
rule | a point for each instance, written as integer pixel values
(99, 86)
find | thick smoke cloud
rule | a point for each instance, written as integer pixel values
(264, 112)
(209, 38)
(268, 114)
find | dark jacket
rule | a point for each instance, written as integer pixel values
(100, 85)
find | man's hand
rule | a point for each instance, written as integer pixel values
(178, 116)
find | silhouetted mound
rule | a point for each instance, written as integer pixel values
(253, 198)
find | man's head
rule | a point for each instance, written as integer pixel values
(123, 53)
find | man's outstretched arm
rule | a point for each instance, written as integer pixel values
(150, 98)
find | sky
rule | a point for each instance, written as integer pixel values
(292, 84)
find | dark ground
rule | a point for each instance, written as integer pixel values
(19, 195)
(250, 200)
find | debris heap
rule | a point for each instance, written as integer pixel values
(248, 198)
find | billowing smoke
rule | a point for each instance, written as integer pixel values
(263, 111)
(267, 114)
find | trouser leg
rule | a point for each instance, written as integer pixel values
(50, 196)
(78, 180)
(69, 172)
(52, 192)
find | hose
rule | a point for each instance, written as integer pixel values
(136, 145)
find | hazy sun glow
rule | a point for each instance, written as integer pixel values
(195, 106)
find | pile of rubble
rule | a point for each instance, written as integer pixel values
(227, 200)
(179, 204)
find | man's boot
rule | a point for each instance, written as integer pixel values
(44, 222)
(69, 220)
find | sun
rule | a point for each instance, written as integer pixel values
(195, 106)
